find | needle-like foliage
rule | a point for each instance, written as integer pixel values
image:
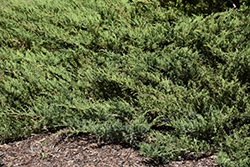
(166, 76)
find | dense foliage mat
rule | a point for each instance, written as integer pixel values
(167, 76)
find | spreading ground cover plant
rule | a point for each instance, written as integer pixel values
(142, 72)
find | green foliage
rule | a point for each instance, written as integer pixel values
(146, 72)
(197, 7)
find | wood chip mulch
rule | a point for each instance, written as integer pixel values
(53, 149)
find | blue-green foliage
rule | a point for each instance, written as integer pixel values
(118, 69)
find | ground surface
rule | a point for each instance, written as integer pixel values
(49, 149)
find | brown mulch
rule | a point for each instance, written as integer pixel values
(53, 149)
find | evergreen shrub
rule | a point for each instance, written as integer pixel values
(165, 77)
